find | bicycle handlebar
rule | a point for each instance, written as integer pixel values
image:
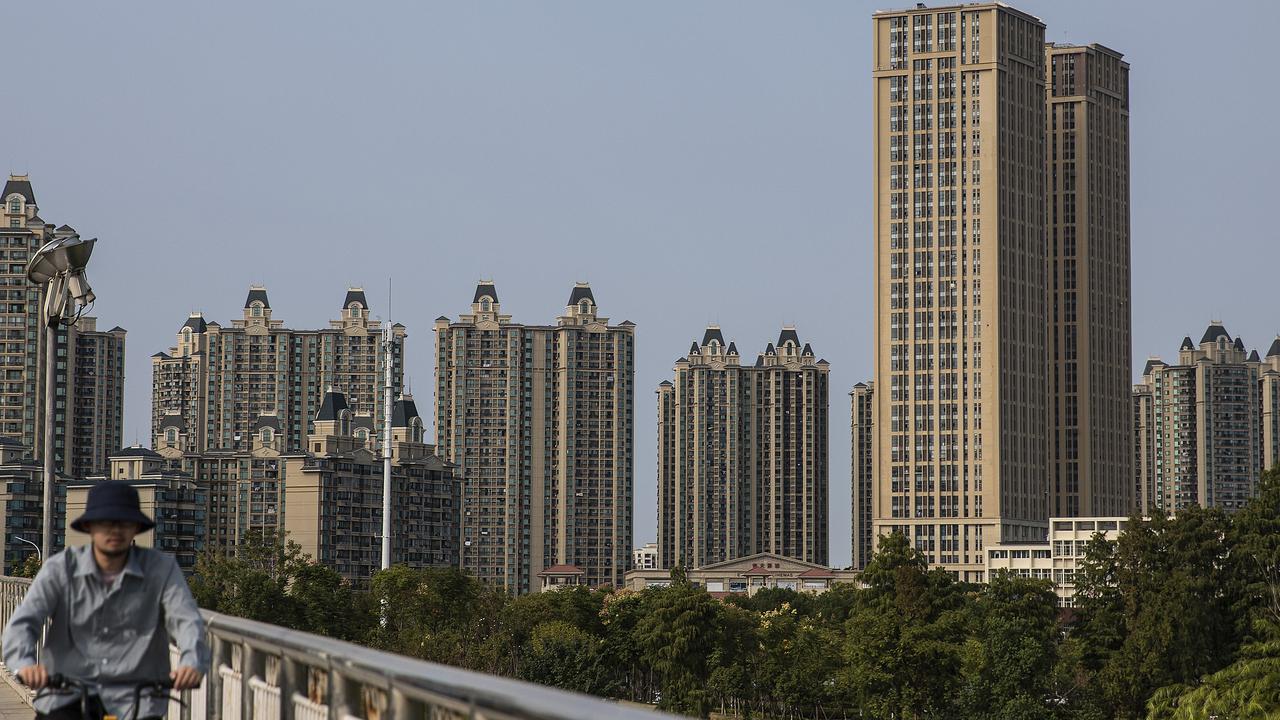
(58, 681)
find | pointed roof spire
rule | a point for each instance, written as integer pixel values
(581, 291)
(334, 403)
(1275, 347)
(485, 288)
(693, 349)
(733, 348)
(1213, 332)
(1253, 357)
(257, 293)
(355, 294)
(807, 350)
(1186, 344)
(20, 184)
(403, 411)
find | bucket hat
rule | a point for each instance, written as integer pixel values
(113, 500)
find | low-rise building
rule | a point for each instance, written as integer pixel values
(1058, 558)
(332, 495)
(561, 577)
(176, 501)
(645, 558)
(749, 575)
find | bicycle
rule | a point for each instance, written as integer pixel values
(91, 707)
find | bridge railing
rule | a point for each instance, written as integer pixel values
(266, 672)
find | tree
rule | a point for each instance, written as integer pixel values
(29, 567)
(1248, 689)
(563, 655)
(902, 639)
(1011, 650)
(1163, 607)
(677, 634)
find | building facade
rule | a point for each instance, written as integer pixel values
(21, 497)
(749, 575)
(1058, 557)
(244, 484)
(174, 500)
(333, 493)
(222, 381)
(89, 374)
(743, 454)
(539, 419)
(862, 473)
(1204, 428)
(962, 401)
(646, 557)
(1089, 332)
(97, 389)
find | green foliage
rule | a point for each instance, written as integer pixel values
(902, 647)
(677, 634)
(1171, 616)
(271, 580)
(29, 567)
(1248, 689)
(1179, 619)
(1011, 651)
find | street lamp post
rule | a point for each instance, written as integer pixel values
(58, 266)
(39, 554)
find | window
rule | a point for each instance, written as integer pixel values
(171, 436)
(484, 305)
(256, 310)
(267, 436)
(584, 307)
(15, 205)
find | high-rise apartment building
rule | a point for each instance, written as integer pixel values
(223, 381)
(97, 392)
(962, 400)
(862, 472)
(742, 454)
(89, 374)
(539, 420)
(1089, 329)
(1204, 428)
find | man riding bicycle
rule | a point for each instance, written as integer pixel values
(114, 609)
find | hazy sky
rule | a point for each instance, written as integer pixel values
(696, 162)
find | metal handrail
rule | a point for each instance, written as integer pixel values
(352, 681)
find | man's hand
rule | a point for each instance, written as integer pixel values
(184, 678)
(35, 676)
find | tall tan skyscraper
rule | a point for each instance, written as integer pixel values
(961, 398)
(539, 419)
(1089, 332)
(742, 454)
(89, 404)
(225, 382)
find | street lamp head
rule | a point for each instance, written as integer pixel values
(59, 265)
(62, 254)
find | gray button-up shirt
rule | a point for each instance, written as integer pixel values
(114, 636)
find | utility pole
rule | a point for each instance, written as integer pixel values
(388, 342)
